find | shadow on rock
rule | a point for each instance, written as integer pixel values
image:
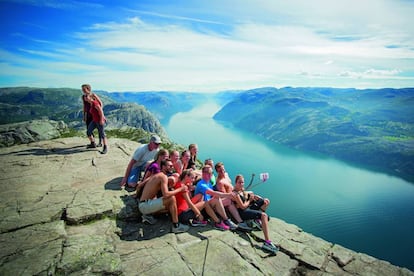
(42, 151)
(137, 230)
(131, 227)
(114, 184)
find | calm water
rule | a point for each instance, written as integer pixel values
(365, 211)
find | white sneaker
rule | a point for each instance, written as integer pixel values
(231, 224)
(148, 219)
(180, 229)
(270, 247)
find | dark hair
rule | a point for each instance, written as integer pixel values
(185, 173)
(219, 164)
(238, 177)
(164, 162)
(161, 152)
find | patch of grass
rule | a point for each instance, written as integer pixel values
(71, 132)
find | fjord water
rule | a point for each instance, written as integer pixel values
(365, 211)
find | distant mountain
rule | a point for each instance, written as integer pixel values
(373, 127)
(162, 104)
(19, 104)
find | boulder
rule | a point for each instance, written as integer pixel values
(30, 131)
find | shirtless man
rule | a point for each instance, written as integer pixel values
(149, 203)
(223, 181)
(223, 184)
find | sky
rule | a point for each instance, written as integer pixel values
(206, 45)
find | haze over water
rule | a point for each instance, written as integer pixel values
(365, 211)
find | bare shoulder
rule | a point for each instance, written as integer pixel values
(160, 176)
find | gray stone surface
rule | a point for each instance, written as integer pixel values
(63, 213)
(30, 131)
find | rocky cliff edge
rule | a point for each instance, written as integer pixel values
(63, 213)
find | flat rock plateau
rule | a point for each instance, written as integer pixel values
(63, 213)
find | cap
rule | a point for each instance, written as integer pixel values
(156, 139)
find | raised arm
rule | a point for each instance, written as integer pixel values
(191, 205)
(219, 194)
(166, 192)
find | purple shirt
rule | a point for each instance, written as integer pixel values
(154, 168)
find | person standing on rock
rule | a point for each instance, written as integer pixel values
(139, 161)
(98, 121)
(149, 203)
(87, 116)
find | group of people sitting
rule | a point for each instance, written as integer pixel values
(170, 181)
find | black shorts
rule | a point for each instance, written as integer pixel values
(186, 215)
(248, 214)
(257, 204)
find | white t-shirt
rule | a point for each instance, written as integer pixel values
(142, 155)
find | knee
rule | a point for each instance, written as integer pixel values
(170, 200)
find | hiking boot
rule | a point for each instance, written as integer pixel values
(99, 145)
(201, 223)
(91, 145)
(270, 247)
(231, 224)
(244, 227)
(148, 219)
(180, 228)
(221, 226)
(105, 149)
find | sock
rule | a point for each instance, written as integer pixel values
(268, 241)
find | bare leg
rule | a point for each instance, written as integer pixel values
(171, 206)
(228, 203)
(218, 207)
(200, 205)
(265, 226)
(211, 213)
(265, 204)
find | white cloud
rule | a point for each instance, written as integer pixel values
(294, 43)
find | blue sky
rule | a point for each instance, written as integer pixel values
(207, 45)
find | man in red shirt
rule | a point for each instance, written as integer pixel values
(98, 121)
(87, 116)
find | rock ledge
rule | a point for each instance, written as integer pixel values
(62, 213)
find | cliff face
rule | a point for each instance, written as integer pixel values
(62, 212)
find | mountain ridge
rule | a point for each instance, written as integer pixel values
(20, 104)
(374, 128)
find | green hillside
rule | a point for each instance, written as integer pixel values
(373, 128)
(19, 104)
